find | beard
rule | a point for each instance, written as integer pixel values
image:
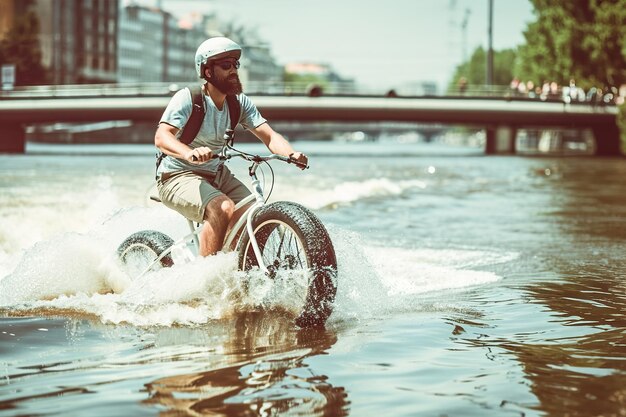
(228, 85)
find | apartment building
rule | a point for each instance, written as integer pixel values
(77, 38)
(108, 41)
(155, 47)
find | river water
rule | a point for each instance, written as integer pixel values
(468, 286)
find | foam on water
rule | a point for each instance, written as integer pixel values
(79, 272)
(351, 191)
(38, 212)
(376, 280)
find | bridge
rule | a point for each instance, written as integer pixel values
(501, 117)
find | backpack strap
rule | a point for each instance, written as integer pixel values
(192, 127)
(234, 111)
(198, 111)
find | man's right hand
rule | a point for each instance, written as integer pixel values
(198, 155)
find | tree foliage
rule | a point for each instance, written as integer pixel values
(305, 79)
(580, 39)
(475, 70)
(21, 47)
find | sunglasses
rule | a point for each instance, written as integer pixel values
(227, 65)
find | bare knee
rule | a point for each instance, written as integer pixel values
(220, 209)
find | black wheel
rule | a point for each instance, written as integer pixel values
(293, 239)
(140, 249)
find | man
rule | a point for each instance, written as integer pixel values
(189, 181)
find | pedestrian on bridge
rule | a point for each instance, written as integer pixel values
(189, 180)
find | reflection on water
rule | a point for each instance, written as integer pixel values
(582, 368)
(589, 201)
(251, 364)
(269, 377)
(585, 374)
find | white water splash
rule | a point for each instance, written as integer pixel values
(79, 272)
(350, 192)
(375, 281)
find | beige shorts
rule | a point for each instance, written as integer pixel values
(188, 192)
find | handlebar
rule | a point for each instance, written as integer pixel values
(260, 158)
(228, 153)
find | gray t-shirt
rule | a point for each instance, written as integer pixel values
(211, 132)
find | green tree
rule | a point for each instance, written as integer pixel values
(580, 39)
(21, 47)
(475, 70)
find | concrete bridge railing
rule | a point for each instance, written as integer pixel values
(500, 117)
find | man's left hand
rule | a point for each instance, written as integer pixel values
(301, 159)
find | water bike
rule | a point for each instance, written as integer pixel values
(279, 238)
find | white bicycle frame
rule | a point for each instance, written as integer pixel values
(259, 201)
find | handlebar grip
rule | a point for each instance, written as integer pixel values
(292, 160)
(298, 164)
(213, 156)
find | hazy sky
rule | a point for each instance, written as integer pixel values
(381, 43)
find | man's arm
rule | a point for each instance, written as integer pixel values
(165, 140)
(277, 144)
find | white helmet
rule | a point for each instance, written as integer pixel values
(215, 48)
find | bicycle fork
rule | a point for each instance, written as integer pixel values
(257, 190)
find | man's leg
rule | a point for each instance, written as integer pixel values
(236, 216)
(217, 217)
(199, 199)
(236, 191)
